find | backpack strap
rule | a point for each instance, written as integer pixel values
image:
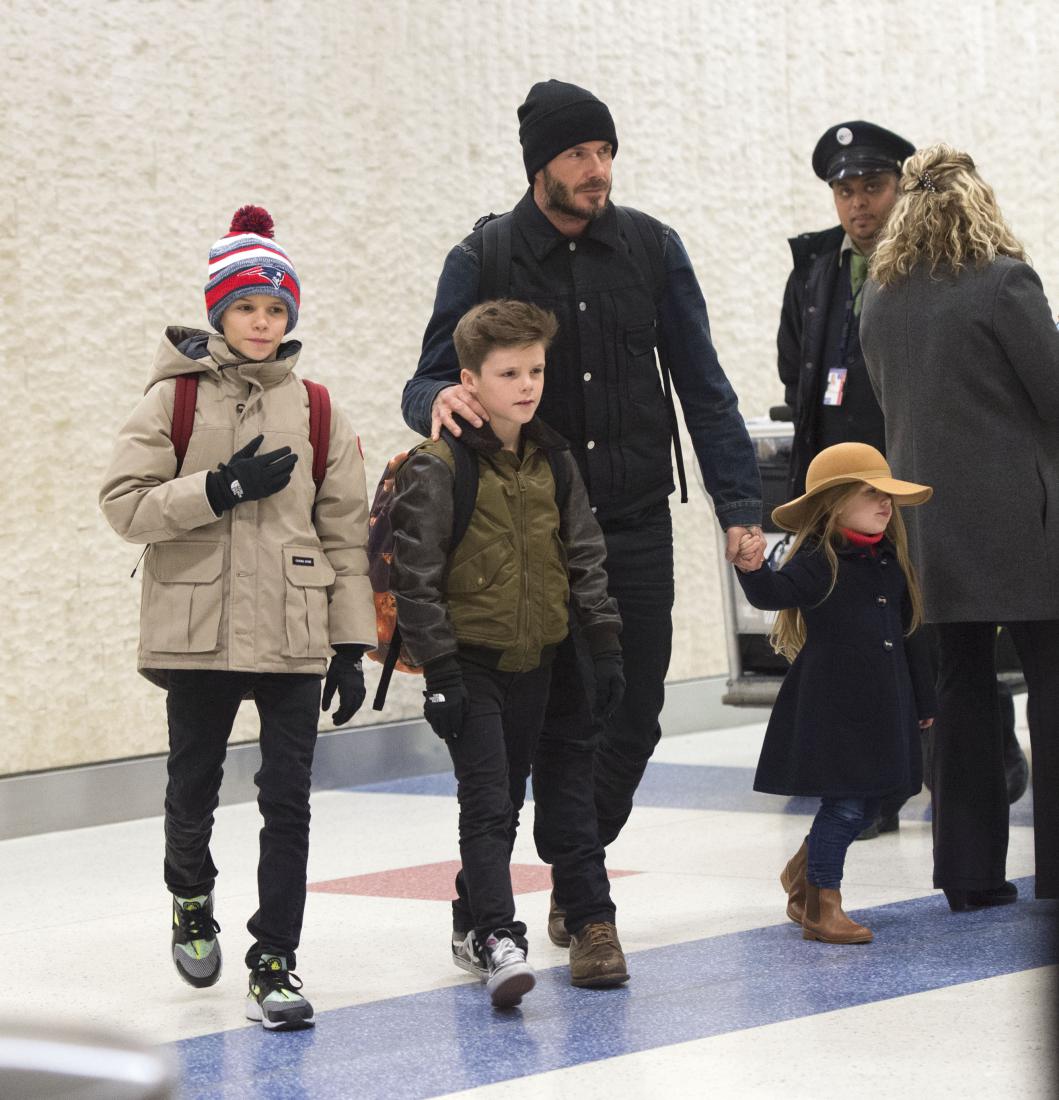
(647, 253)
(319, 428)
(495, 278)
(187, 387)
(561, 477)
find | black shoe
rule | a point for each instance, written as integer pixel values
(871, 831)
(890, 823)
(961, 900)
(196, 949)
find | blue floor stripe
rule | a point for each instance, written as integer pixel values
(696, 787)
(441, 1041)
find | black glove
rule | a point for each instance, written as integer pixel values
(610, 683)
(346, 675)
(446, 697)
(249, 476)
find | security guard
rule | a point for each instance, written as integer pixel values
(820, 361)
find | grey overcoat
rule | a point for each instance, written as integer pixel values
(966, 369)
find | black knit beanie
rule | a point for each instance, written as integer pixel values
(557, 116)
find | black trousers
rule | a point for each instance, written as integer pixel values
(970, 799)
(492, 758)
(202, 705)
(640, 572)
(585, 775)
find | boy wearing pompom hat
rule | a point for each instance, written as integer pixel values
(255, 583)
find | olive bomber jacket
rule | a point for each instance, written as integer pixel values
(524, 562)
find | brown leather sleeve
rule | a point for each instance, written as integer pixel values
(422, 527)
(596, 611)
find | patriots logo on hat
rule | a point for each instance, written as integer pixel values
(271, 275)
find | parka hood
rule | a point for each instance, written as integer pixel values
(191, 351)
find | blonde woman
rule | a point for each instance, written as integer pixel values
(964, 357)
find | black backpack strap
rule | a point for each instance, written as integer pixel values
(464, 487)
(560, 475)
(388, 665)
(647, 252)
(495, 279)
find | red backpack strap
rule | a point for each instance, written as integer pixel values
(319, 427)
(187, 386)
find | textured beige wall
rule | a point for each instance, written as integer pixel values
(376, 134)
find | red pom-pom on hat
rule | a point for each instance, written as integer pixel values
(253, 219)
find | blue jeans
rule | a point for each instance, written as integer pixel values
(837, 824)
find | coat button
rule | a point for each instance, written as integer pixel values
(587, 376)
(880, 600)
(591, 444)
(582, 306)
(573, 246)
(887, 644)
(812, 309)
(884, 561)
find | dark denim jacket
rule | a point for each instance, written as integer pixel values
(718, 434)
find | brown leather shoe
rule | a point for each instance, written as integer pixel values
(792, 879)
(557, 932)
(596, 957)
(825, 921)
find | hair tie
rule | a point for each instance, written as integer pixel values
(926, 183)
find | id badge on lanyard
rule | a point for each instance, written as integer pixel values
(835, 390)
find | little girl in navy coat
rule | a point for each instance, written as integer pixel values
(846, 720)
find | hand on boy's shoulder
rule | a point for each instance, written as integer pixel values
(455, 399)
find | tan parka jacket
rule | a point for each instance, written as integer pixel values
(272, 584)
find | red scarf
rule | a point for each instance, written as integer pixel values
(857, 539)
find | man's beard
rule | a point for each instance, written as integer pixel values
(560, 198)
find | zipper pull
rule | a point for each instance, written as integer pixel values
(138, 560)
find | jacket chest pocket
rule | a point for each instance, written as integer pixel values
(307, 577)
(183, 598)
(641, 370)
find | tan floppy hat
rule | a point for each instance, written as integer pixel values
(841, 464)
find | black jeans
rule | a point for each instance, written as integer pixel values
(640, 577)
(492, 758)
(836, 825)
(970, 798)
(202, 705)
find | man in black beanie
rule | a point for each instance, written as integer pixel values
(621, 284)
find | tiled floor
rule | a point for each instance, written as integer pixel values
(725, 999)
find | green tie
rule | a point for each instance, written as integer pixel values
(858, 272)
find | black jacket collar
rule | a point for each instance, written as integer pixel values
(543, 237)
(484, 438)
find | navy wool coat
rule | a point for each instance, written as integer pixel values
(846, 720)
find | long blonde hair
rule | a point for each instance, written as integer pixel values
(945, 216)
(821, 529)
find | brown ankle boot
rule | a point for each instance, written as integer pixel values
(825, 921)
(557, 932)
(596, 958)
(792, 879)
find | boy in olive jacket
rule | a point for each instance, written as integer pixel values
(484, 618)
(253, 578)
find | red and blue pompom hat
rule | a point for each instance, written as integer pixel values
(248, 261)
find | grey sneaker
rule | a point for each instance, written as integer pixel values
(196, 949)
(467, 955)
(510, 976)
(275, 998)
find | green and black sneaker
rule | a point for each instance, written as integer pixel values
(274, 996)
(196, 949)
